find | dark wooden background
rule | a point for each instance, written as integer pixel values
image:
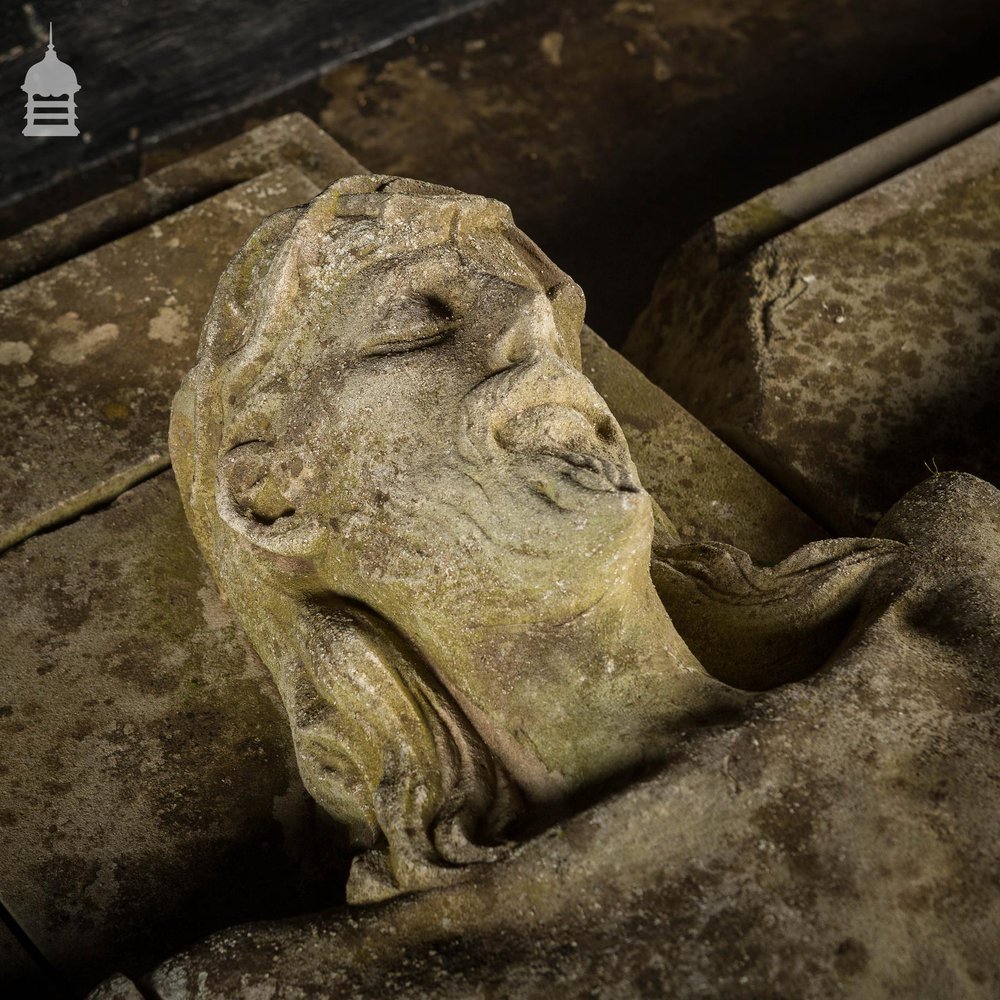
(150, 69)
(612, 127)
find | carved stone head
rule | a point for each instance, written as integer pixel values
(428, 521)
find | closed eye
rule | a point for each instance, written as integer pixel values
(416, 322)
(408, 344)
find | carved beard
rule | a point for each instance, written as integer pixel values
(530, 509)
(480, 542)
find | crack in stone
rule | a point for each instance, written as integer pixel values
(73, 508)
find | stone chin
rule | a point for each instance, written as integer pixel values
(523, 536)
(546, 453)
(575, 538)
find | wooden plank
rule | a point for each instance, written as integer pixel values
(149, 71)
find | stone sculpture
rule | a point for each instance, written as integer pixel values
(430, 526)
(430, 523)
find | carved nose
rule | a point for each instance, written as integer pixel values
(536, 392)
(531, 333)
(544, 405)
(545, 389)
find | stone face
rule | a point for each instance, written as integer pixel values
(434, 533)
(290, 140)
(93, 350)
(127, 679)
(834, 840)
(148, 791)
(851, 355)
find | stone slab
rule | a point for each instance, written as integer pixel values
(148, 788)
(290, 139)
(853, 355)
(703, 486)
(91, 352)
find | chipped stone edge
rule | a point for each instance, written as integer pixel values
(74, 507)
(742, 229)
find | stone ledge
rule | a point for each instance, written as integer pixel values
(291, 139)
(857, 353)
(93, 351)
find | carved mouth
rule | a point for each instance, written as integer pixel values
(594, 457)
(595, 473)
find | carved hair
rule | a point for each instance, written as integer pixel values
(379, 742)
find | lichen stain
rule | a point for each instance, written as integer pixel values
(169, 325)
(115, 412)
(14, 352)
(74, 351)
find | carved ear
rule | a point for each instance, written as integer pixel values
(259, 500)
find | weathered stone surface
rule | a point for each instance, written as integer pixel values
(130, 684)
(431, 527)
(856, 352)
(291, 139)
(88, 601)
(705, 488)
(148, 790)
(833, 841)
(92, 351)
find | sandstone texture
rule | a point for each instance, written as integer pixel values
(854, 353)
(93, 349)
(148, 789)
(834, 840)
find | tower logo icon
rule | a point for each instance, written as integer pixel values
(51, 87)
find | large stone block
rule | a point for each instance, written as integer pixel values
(149, 791)
(852, 355)
(92, 351)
